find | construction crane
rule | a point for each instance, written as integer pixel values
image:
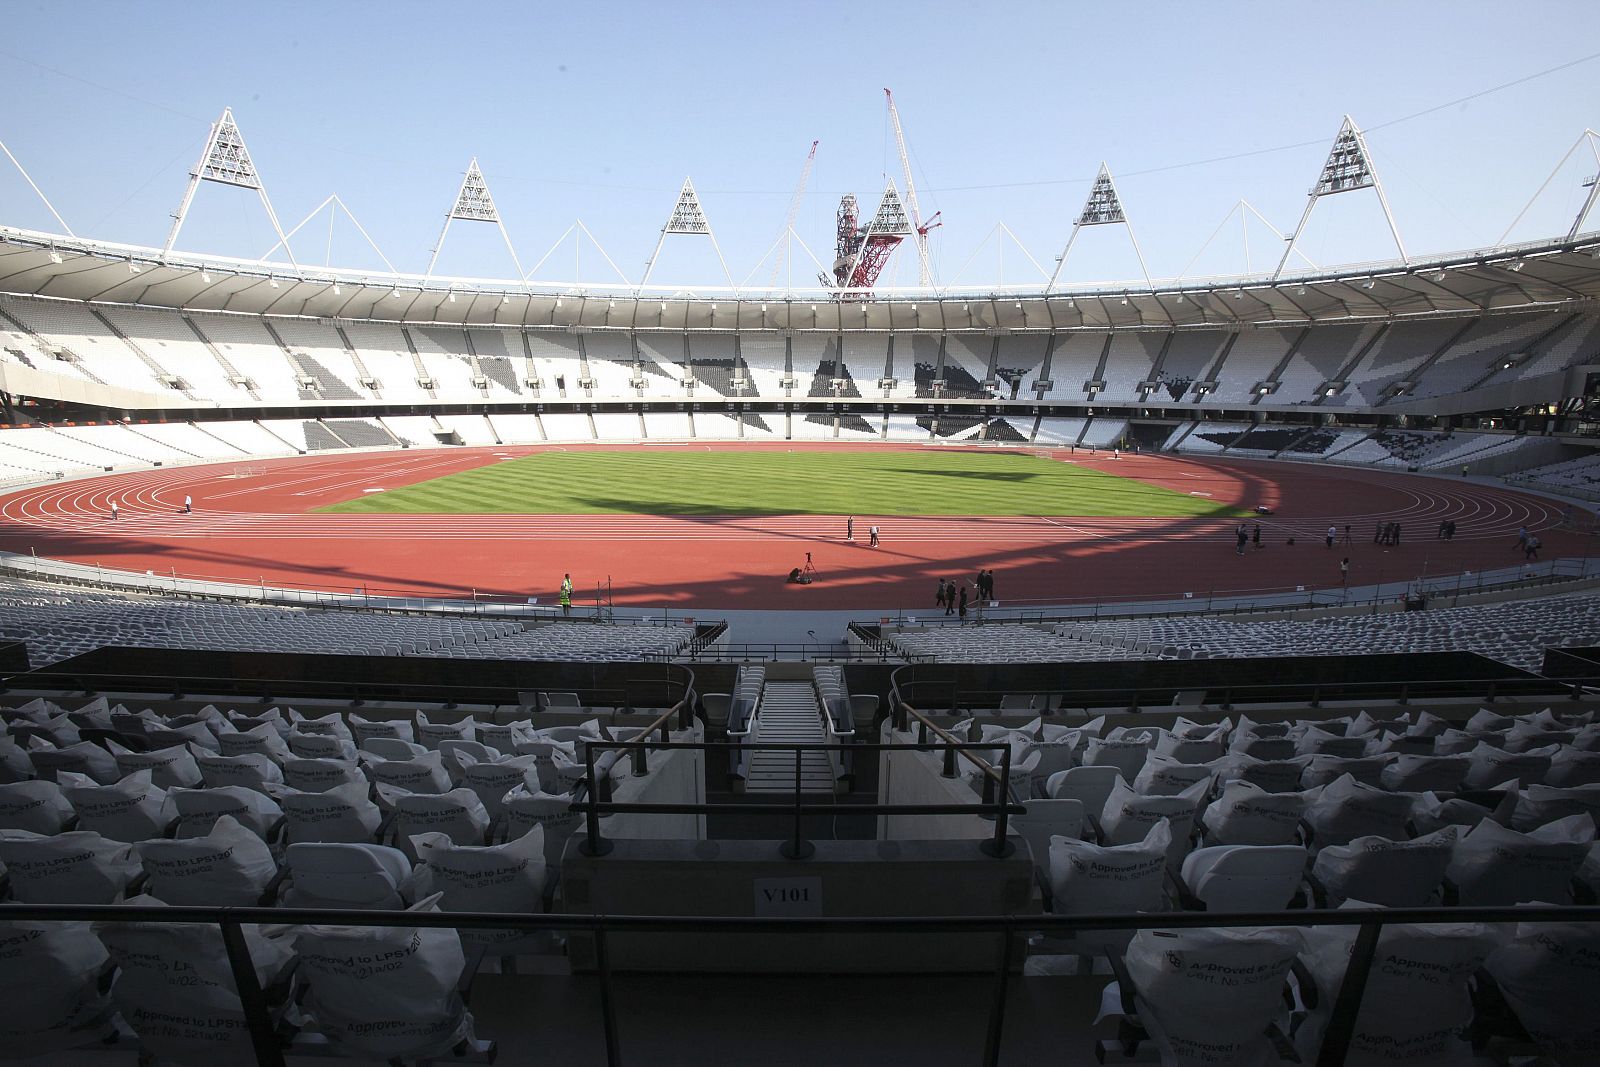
(924, 268)
(862, 251)
(794, 212)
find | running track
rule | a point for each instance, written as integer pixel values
(252, 522)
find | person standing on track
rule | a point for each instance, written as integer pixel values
(1241, 537)
(566, 594)
(188, 504)
(1344, 572)
(1255, 536)
(1333, 533)
(115, 514)
(942, 600)
(850, 528)
(872, 537)
(961, 606)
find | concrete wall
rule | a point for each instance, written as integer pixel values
(751, 878)
(26, 381)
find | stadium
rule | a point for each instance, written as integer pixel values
(386, 652)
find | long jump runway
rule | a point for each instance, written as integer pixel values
(252, 522)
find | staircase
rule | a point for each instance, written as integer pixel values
(166, 380)
(789, 715)
(242, 381)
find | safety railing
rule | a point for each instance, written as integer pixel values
(270, 1044)
(597, 804)
(949, 696)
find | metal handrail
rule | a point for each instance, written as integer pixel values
(595, 802)
(269, 1051)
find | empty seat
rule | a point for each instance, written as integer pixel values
(1090, 786)
(1244, 877)
(344, 875)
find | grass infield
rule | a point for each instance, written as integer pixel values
(923, 482)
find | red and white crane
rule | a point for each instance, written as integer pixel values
(862, 251)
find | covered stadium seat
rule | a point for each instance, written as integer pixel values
(343, 813)
(1090, 786)
(35, 805)
(229, 867)
(1395, 874)
(75, 867)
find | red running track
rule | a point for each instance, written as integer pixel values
(252, 523)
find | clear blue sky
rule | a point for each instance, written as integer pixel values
(598, 111)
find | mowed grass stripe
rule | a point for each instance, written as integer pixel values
(593, 482)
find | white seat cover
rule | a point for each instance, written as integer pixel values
(526, 807)
(1246, 814)
(1541, 970)
(51, 975)
(1205, 1020)
(131, 810)
(199, 809)
(1128, 816)
(343, 813)
(250, 771)
(421, 774)
(77, 867)
(228, 867)
(367, 728)
(491, 781)
(35, 805)
(1348, 809)
(1411, 773)
(1165, 776)
(331, 724)
(321, 746)
(1395, 874)
(175, 987)
(458, 814)
(430, 733)
(170, 767)
(507, 878)
(385, 992)
(84, 757)
(1541, 804)
(263, 740)
(1088, 879)
(1491, 766)
(1494, 865)
(1416, 1004)
(320, 775)
(1044, 820)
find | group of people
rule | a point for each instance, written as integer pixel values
(952, 597)
(1447, 530)
(850, 532)
(1387, 533)
(1529, 544)
(1244, 536)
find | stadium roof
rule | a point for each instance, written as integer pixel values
(1504, 278)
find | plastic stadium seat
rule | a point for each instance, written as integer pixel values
(345, 875)
(1046, 819)
(1090, 786)
(199, 809)
(458, 814)
(1244, 877)
(131, 810)
(391, 748)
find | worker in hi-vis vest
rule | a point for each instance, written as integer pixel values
(566, 594)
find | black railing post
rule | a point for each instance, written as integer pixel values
(593, 844)
(1405, 694)
(1316, 696)
(949, 761)
(608, 1010)
(1342, 1023)
(797, 848)
(268, 1052)
(922, 732)
(998, 846)
(997, 1006)
(1488, 697)
(641, 761)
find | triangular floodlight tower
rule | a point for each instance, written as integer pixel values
(1103, 208)
(330, 203)
(473, 204)
(1592, 183)
(226, 161)
(890, 226)
(687, 218)
(1348, 169)
(37, 191)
